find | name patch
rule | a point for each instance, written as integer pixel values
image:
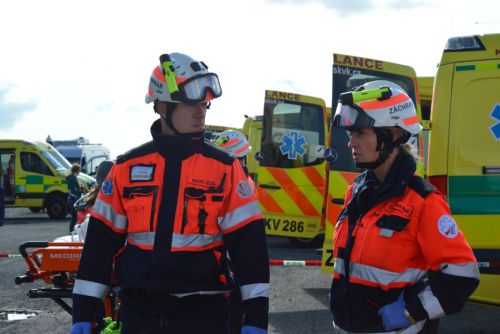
(142, 173)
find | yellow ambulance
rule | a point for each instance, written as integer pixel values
(34, 176)
(464, 148)
(290, 173)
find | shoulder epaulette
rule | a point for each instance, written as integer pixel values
(213, 151)
(138, 151)
(421, 186)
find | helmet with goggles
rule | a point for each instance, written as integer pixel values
(181, 79)
(377, 104)
(233, 142)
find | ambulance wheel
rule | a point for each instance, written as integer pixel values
(57, 207)
(317, 241)
(35, 209)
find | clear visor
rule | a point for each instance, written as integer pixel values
(196, 88)
(350, 117)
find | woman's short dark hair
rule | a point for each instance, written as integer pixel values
(75, 168)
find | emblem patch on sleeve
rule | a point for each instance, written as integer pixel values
(447, 226)
(107, 187)
(142, 173)
(244, 189)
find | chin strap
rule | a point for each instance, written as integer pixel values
(170, 110)
(385, 146)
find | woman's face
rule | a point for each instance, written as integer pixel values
(363, 144)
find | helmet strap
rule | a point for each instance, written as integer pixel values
(385, 146)
(168, 119)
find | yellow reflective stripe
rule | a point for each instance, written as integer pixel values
(239, 215)
(89, 288)
(377, 275)
(194, 240)
(107, 211)
(249, 291)
(431, 304)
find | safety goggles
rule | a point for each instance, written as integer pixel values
(201, 87)
(351, 117)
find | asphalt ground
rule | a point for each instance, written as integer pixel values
(298, 295)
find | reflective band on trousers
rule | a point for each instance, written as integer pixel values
(107, 211)
(250, 291)
(431, 304)
(379, 276)
(89, 288)
(413, 329)
(239, 215)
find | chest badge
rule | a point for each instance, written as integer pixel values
(140, 173)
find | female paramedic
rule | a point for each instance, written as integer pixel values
(400, 259)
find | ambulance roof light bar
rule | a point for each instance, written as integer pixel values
(467, 43)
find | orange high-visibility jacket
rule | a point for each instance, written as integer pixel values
(165, 218)
(401, 237)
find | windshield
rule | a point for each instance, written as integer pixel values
(57, 160)
(293, 134)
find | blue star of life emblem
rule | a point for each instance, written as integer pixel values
(292, 144)
(495, 114)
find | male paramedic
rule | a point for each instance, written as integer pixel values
(167, 215)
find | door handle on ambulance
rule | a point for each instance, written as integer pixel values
(269, 186)
(339, 201)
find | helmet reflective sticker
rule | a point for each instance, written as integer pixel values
(447, 226)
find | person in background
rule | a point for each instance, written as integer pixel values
(400, 259)
(84, 204)
(74, 192)
(2, 205)
(166, 216)
(236, 145)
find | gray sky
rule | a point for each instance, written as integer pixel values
(81, 68)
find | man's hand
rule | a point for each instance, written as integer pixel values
(393, 316)
(81, 328)
(251, 330)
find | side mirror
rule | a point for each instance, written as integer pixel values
(331, 155)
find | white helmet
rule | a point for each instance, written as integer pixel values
(377, 104)
(233, 142)
(181, 79)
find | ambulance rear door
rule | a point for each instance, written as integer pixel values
(291, 170)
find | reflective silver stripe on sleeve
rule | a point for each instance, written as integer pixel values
(89, 288)
(469, 269)
(194, 240)
(142, 238)
(107, 211)
(242, 213)
(250, 291)
(431, 304)
(377, 275)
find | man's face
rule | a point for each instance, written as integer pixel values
(187, 118)
(363, 144)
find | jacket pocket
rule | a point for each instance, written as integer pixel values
(140, 203)
(201, 207)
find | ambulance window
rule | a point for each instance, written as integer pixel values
(31, 162)
(293, 134)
